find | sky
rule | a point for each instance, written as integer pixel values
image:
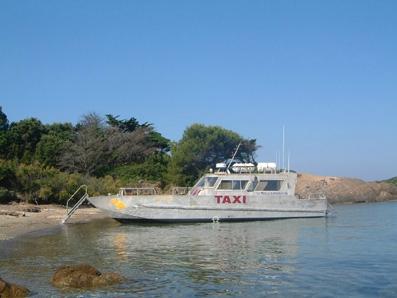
(326, 70)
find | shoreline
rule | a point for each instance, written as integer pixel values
(17, 219)
(50, 217)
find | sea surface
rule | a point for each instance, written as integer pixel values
(350, 254)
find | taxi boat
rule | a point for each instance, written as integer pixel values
(232, 193)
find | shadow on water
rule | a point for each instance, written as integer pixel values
(265, 258)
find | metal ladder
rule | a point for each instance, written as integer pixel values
(72, 210)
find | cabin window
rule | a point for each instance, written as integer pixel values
(201, 182)
(233, 184)
(207, 182)
(210, 181)
(268, 185)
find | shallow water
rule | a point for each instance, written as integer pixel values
(351, 254)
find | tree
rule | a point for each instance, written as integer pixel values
(3, 134)
(7, 174)
(86, 153)
(98, 147)
(130, 125)
(201, 147)
(3, 121)
(50, 146)
(22, 138)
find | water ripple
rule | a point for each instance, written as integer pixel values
(348, 255)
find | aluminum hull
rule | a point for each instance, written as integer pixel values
(167, 208)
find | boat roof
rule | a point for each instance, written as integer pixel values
(281, 174)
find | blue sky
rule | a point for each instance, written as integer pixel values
(327, 70)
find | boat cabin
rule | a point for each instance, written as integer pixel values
(280, 183)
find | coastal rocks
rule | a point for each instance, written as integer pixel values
(83, 276)
(9, 290)
(20, 210)
(345, 190)
(32, 209)
(12, 213)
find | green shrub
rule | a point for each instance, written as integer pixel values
(153, 169)
(7, 174)
(6, 196)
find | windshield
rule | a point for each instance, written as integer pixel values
(208, 181)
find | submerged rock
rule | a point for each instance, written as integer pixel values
(9, 290)
(83, 276)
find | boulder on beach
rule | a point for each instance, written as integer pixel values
(84, 276)
(9, 290)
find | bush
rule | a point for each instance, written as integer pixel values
(102, 186)
(7, 174)
(46, 184)
(153, 169)
(6, 196)
(37, 183)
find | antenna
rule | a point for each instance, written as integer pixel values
(283, 147)
(234, 155)
(288, 160)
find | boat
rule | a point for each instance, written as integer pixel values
(234, 192)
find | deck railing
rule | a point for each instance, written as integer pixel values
(180, 191)
(316, 196)
(138, 191)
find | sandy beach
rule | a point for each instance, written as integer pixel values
(19, 219)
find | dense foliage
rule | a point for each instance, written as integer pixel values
(41, 184)
(201, 147)
(45, 163)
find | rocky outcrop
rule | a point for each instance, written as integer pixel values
(9, 290)
(345, 190)
(83, 276)
(20, 210)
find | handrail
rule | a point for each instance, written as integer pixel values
(180, 190)
(72, 196)
(138, 191)
(313, 196)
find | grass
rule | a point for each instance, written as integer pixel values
(392, 180)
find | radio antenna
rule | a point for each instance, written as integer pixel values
(289, 155)
(234, 155)
(284, 148)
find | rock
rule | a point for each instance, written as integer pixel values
(33, 209)
(12, 213)
(107, 278)
(83, 276)
(9, 290)
(345, 190)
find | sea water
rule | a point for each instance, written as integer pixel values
(350, 254)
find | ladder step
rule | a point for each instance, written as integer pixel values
(78, 204)
(70, 212)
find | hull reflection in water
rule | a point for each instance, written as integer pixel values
(202, 248)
